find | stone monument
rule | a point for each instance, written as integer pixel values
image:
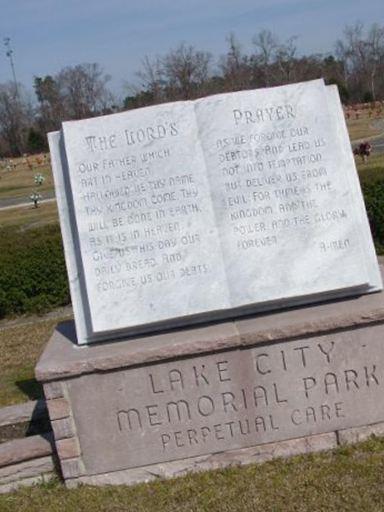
(221, 269)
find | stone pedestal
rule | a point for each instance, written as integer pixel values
(230, 393)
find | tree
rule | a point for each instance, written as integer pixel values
(83, 91)
(286, 60)
(363, 58)
(266, 46)
(152, 80)
(235, 67)
(186, 71)
(15, 117)
(36, 141)
(181, 74)
(51, 108)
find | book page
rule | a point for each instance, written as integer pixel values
(147, 236)
(344, 147)
(286, 215)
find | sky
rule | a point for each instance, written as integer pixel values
(47, 35)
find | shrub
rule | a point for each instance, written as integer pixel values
(372, 184)
(33, 276)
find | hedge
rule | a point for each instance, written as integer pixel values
(372, 184)
(33, 277)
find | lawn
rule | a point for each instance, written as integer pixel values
(20, 348)
(25, 217)
(362, 128)
(20, 181)
(374, 163)
(347, 479)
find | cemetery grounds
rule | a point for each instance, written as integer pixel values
(349, 478)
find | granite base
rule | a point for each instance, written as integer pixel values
(230, 393)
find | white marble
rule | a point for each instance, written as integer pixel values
(348, 163)
(68, 231)
(148, 243)
(285, 204)
(193, 210)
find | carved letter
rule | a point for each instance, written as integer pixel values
(295, 421)
(165, 438)
(127, 416)
(192, 436)
(309, 383)
(278, 399)
(370, 377)
(152, 414)
(338, 409)
(199, 375)
(91, 142)
(310, 414)
(350, 377)
(327, 352)
(179, 444)
(153, 385)
(210, 404)
(222, 369)
(325, 412)
(244, 431)
(262, 371)
(237, 115)
(178, 407)
(257, 395)
(176, 377)
(259, 421)
(204, 432)
(301, 349)
(228, 399)
(330, 379)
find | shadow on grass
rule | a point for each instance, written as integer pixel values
(31, 388)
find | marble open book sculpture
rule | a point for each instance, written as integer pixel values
(202, 210)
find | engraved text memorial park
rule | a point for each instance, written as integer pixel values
(226, 293)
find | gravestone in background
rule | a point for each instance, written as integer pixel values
(207, 212)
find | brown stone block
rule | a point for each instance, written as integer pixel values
(68, 448)
(21, 413)
(28, 469)
(54, 389)
(28, 448)
(71, 468)
(315, 319)
(63, 428)
(182, 467)
(63, 358)
(26, 482)
(58, 408)
(357, 434)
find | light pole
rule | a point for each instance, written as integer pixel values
(9, 52)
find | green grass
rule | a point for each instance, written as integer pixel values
(19, 182)
(33, 277)
(347, 479)
(20, 348)
(362, 128)
(27, 217)
(375, 163)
